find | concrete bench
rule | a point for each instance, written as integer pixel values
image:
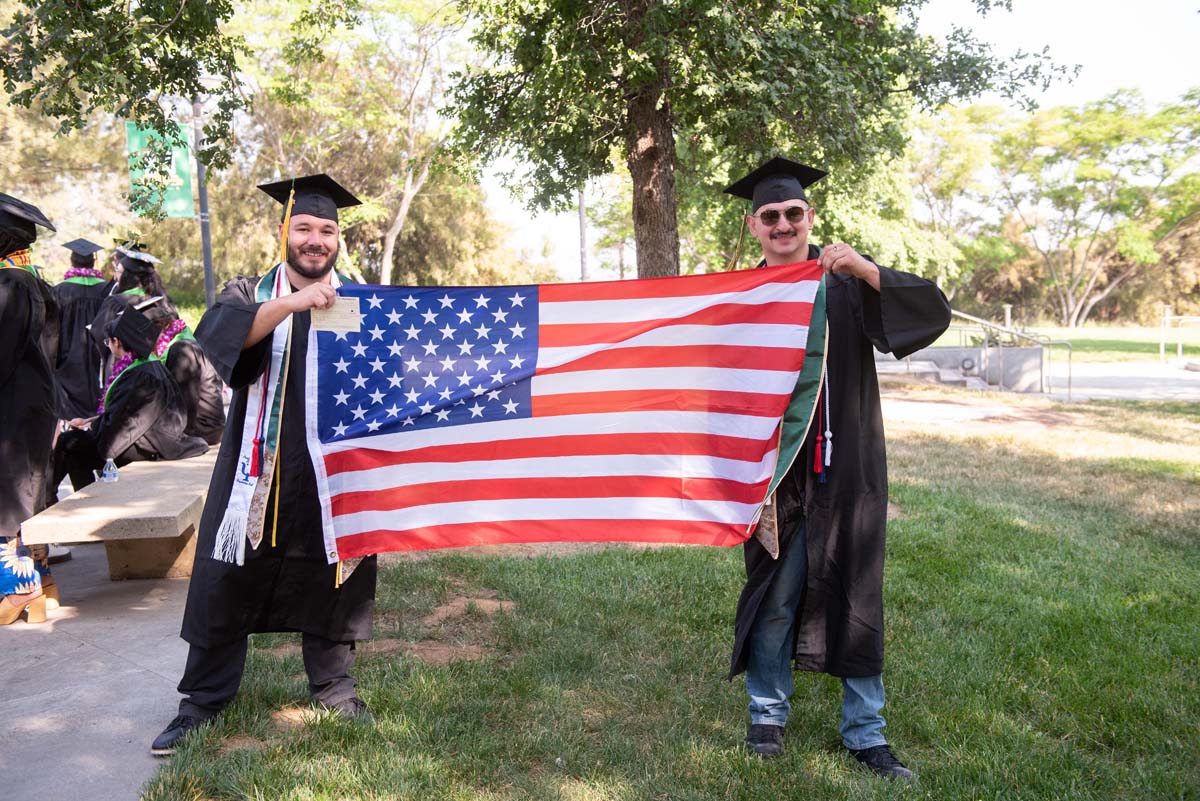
(147, 519)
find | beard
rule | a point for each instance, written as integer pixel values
(308, 252)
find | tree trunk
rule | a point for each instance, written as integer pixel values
(412, 185)
(650, 148)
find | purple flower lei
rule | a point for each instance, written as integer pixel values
(169, 333)
(118, 367)
(83, 272)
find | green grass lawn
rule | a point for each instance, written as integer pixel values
(1043, 642)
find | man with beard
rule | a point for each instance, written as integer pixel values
(819, 606)
(260, 557)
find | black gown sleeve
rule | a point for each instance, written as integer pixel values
(906, 314)
(16, 319)
(223, 329)
(136, 401)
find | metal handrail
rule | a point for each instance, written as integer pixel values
(1039, 339)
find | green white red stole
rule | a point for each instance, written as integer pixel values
(245, 515)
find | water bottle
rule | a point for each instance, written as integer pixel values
(109, 473)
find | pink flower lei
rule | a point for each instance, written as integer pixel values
(82, 272)
(172, 330)
(118, 367)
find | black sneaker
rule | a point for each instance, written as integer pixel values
(882, 762)
(765, 739)
(164, 744)
(352, 709)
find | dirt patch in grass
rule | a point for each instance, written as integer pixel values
(284, 651)
(291, 718)
(527, 550)
(241, 742)
(431, 652)
(456, 607)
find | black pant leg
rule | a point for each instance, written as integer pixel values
(328, 664)
(75, 455)
(211, 678)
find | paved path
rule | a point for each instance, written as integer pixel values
(85, 693)
(1150, 380)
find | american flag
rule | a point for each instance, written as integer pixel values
(643, 410)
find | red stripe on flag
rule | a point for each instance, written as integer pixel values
(716, 445)
(696, 285)
(562, 335)
(699, 489)
(723, 356)
(754, 404)
(459, 535)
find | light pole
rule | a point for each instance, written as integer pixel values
(202, 185)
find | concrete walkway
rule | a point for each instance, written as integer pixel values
(1147, 380)
(86, 692)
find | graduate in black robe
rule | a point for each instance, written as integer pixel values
(821, 605)
(79, 296)
(30, 401)
(143, 415)
(199, 384)
(286, 582)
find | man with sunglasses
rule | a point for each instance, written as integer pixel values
(819, 605)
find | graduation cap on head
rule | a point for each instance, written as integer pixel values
(133, 256)
(135, 331)
(317, 195)
(83, 247)
(775, 181)
(22, 218)
(83, 252)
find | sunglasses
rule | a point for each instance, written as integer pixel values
(794, 214)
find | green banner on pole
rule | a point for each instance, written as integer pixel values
(177, 195)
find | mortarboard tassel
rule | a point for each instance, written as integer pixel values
(287, 217)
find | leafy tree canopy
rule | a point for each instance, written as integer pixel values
(707, 87)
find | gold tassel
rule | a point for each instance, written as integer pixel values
(287, 218)
(737, 250)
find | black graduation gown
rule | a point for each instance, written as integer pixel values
(30, 400)
(840, 623)
(288, 587)
(201, 389)
(77, 365)
(144, 418)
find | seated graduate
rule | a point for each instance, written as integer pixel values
(201, 387)
(79, 296)
(141, 415)
(135, 281)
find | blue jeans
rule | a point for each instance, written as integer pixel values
(769, 680)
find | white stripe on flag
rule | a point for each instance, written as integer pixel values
(677, 379)
(733, 425)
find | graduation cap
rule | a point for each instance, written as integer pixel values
(317, 195)
(135, 331)
(82, 247)
(21, 217)
(83, 252)
(133, 257)
(775, 181)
